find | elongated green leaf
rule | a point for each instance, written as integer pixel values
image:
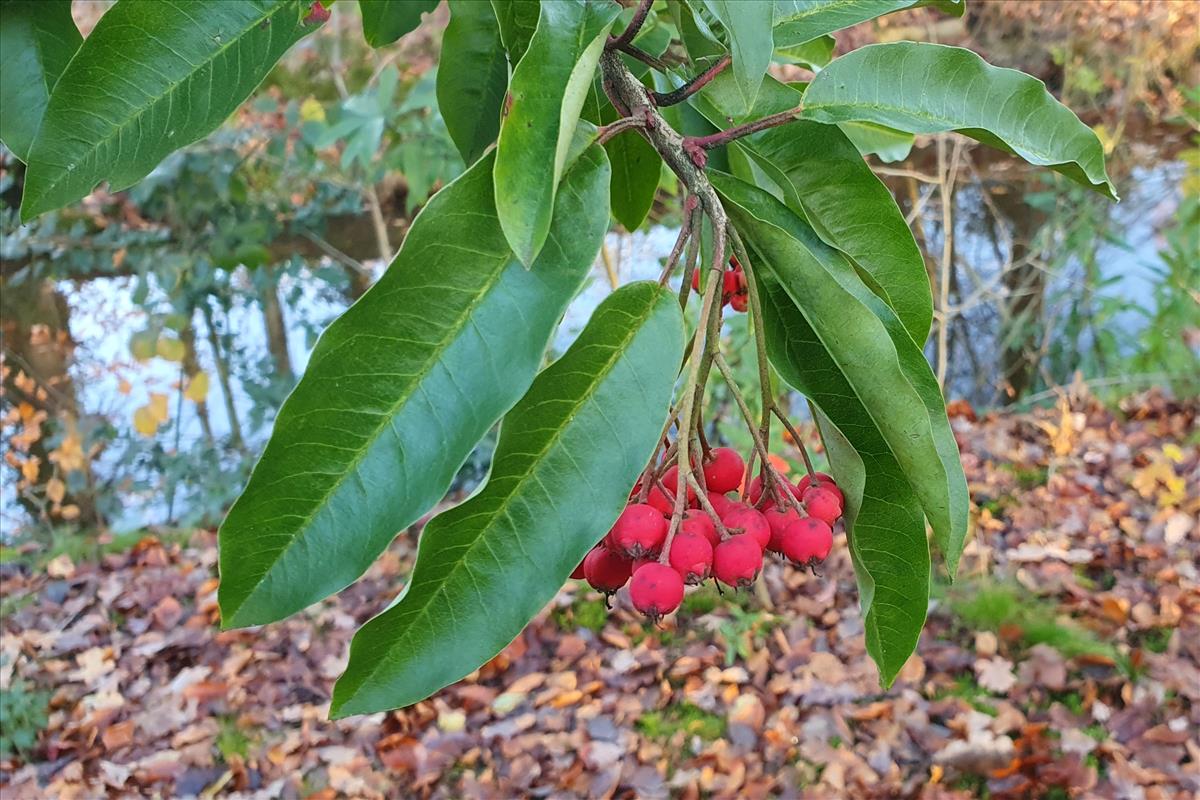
(37, 39)
(747, 26)
(930, 88)
(890, 145)
(884, 522)
(813, 54)
(153, 76)
(636, 170)
(518, 20)
(798, 21)
(472, 77)
(385, 21)
(567, 454)
(879, 360)
(824, 177)
(400, 389)
(547, 89)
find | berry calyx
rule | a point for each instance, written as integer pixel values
(807, 541)
(605, 570)
(640, 530)
(697, 522)
(691, 556)
(655, 590)
(577, 573)
(822, 504)
(737, 560)
(752, 523)
(723, 472)
(779, 519)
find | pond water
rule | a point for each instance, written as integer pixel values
(112, 384)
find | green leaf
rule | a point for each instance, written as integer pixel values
(37, 39)
(472, 77)
(824, 177)
(798, 21)
(883, 366)
(153, 76)
(930, 88)
(813, 54)
(548, 89)
(385, 21)
(518, 20)
(889, 145)
(747, 26)
(567, 455)
(636, 170)
(400, 389)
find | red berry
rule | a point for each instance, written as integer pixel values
(577, 573)
(665, 503)
(737, 560)
(698, 523)
(719, 502)
(655, 590)
(816, 478)
(733, 262)
(752, 522)
(670, 479)
(605, 570)
(740, 302)
(756, 491)
(822, 504)
(695, 280)
(729, 285)
(779, 519)
(807, 541)
(723, 472)
(641, 529)
(317, 14)
(691, 556)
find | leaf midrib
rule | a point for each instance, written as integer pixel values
(173, 87)
(423, 612)
(304, 529)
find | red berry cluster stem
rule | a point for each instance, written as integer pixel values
(682, 526)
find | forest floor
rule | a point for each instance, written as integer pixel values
(1064, 662)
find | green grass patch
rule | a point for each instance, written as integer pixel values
(83, 546)
(583, 613)
(965, 688)
(231, 739)
(1028, 477)
(985, 605)
(691, 719)
(22, 717)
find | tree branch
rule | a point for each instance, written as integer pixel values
(664, 99)
(631, 30)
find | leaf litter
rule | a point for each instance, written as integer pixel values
(1065, 661)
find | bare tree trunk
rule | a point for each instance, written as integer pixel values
(191, 366)
(1025, 287)
(277, 342)
(38, 348)
(214, 341)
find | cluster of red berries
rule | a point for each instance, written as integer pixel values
(801, 532)
(734, 291)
